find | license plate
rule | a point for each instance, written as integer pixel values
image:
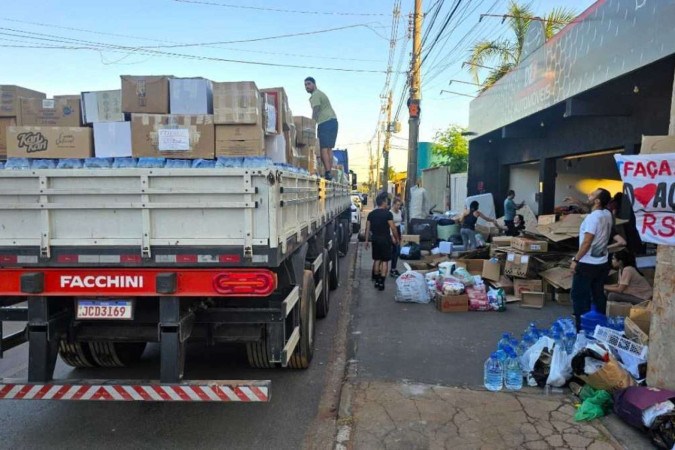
(105, 309)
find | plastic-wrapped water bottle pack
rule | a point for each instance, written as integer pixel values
(146, 163)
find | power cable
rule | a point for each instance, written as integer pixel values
(84, 30)
(279, 10)
(98, 46)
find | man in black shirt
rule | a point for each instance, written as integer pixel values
(381, 222)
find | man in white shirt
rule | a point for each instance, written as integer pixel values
(590, 265)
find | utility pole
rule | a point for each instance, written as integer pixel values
(414, 102)
(385, 150)
(377, 157)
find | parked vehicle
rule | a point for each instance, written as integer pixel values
(111, 260)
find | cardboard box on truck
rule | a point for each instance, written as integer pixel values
(145, 94)
(173, 136)
(49, 142)
(112, 139)
(237, 103)
(191, 96)
(305, 130)
(5, 122)
(61, 111)
(283, 112)
(240, 140)
(102, 106)
(9, 99)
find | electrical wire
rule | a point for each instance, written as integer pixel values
(98, 46)
(126, 36)
(279, 10)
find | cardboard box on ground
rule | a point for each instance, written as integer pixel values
(61, 111)
(173, 136)
(49, 142)
(452, 303)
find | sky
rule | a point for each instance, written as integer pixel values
(349, 62)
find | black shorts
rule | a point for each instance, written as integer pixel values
(327, 132)
(382, 248)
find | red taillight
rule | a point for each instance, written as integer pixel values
(250, 282)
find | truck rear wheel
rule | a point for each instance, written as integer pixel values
(323, 301)
(334, 271)
(76, 355)
(345, 236)
(101, 354)
(304, 351)
(257, 354)
(116, 354)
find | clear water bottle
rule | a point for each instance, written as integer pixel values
(504, 342)
(513, 343)
(513, 374)
(558, 339)
(570, 339)
(493, 373)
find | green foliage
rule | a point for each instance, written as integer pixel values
(503, 55)
(451, 149)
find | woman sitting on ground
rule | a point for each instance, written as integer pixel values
(518, 225)
(632, 286)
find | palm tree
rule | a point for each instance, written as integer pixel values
(505, 54)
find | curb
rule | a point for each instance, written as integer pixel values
(343, 431)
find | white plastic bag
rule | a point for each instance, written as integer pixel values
(411, 287)
(561, 368)
(531, 355)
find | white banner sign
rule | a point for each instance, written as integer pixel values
(649, 186)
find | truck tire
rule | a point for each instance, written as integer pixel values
(116, 354)
(76, 355)
(323, 301)
(101, 354)
(334, 270)
(258, 355)
(345, 237)
(302, 356)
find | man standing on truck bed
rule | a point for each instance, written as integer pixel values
(323, 114)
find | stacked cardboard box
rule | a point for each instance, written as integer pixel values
(10, 110)
(157, 116)
(237, 111)
(49, 142)
(172, 136)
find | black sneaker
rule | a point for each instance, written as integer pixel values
(394, 273)
(328, 176)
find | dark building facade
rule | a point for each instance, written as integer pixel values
(592, 90)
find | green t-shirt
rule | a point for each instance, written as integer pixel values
(326, 112)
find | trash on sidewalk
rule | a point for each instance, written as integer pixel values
(411, 287)
(596, 403)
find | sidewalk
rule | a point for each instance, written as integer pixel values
(415, 377)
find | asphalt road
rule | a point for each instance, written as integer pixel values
(280, 424)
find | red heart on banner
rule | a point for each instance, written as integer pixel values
(645, 194)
